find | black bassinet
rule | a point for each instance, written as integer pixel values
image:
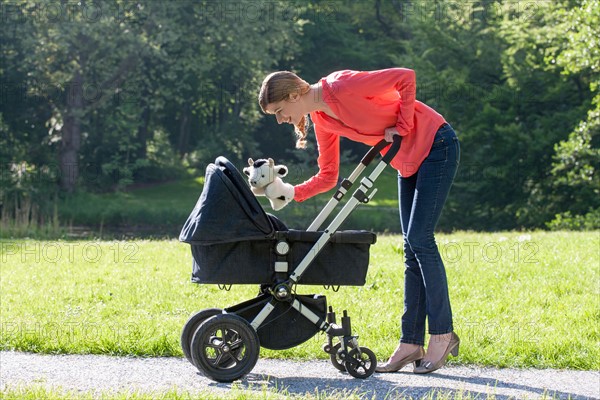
(233, 240)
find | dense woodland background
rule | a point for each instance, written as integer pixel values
(103, 96)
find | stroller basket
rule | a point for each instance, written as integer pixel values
(283, 319)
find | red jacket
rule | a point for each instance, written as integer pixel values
(367, 102)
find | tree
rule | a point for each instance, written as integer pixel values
(576, 183)
(77, 57)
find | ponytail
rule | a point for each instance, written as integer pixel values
(301, 129)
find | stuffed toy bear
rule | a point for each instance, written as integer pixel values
(265, 180)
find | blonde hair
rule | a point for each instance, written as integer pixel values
(278, 86)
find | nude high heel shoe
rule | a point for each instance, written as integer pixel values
(452, 349)
(415, 357)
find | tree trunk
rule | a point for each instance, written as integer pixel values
(71, 135)
(142, 133)
(184, 131)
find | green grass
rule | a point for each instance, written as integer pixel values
(162, 204)
(519, 299)
(235, 393)
(159, 211)
(260, 392)
(167, 205)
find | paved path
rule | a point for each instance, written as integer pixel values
(102, 374)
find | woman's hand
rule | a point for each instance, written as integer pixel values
(389, 134)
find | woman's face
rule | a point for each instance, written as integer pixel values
(287, 111)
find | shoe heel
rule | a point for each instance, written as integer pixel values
(454, 351)
(417, 363)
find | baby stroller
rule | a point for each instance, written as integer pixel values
(234, 241)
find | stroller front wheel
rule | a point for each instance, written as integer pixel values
(361, 362)
(225, 347)
(337, 359)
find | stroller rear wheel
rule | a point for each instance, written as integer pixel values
(225, 347)
(190, 327)
(361, 362)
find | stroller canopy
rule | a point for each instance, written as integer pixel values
(227, 210)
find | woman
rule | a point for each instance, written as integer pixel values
(367, 106)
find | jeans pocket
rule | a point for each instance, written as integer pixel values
(438, 142)
(438, 152)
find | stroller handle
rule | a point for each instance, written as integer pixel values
(394, 148)
(375, 150)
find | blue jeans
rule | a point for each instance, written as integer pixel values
(422, 197)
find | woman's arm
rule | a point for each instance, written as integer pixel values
(328, 145)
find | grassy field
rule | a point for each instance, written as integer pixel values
(236, 393)
(519, 300)
(167, 206)
(161, 204)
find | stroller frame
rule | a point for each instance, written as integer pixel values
(224, 344)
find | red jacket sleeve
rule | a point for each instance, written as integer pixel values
(329, 162)
(401, 80)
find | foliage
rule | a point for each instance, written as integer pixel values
(106, 94)
(579, 222)
(576, 183)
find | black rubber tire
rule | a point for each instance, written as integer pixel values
(190, 328)
(225, 348)
(337, 362)
(335, 359)
(367, 362)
